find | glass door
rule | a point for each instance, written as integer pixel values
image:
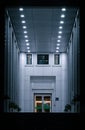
(42, 103)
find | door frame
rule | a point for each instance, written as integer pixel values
(41, 94)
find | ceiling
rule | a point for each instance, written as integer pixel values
(42, 26)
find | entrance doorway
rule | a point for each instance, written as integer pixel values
(42, 102)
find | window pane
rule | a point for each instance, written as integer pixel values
(56, 59)
(29, 59)
(42, 59)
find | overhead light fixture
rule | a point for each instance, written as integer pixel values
(22, 15)
(28, 51)
(21, 9)
(62, 16)
(25, 36)
(28, 47)
(24, 27)
(60, 32)
(60, 27)
(57, 50)
(25, 31)
(59, 36)
(26, 40)
(57, 47)
(63, 9)
(58, 44)
(23, 21)
(27, 44)
(58, 40)
(61, 22)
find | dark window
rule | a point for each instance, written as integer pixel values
(56, 59)
(42, 59)
(29, 59)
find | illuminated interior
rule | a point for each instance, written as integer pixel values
(42, 103)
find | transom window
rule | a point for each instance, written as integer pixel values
(42, 59)
(29, 59)
(56, 59)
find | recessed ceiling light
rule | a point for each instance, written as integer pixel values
(61, 22)
(59, 36)
(57, 47)
(28, 51)
(57, 50)
(24, 27)
(28, 47)
(26, 40)
(58, 44)
(62, 16)
(25, 36)
(58, 40)
(22, 15)
(27, 44)
(21, 9)
(60, 32)
(23, 21)
(63, 9)
(25, 31)
(60, 27)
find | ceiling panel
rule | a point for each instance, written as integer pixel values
(42, 28)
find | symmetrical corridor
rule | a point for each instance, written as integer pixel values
(42, 59)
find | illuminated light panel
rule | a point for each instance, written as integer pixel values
(23, 21)
(58, 40)
(58, 44)
(61, 22)
(25, 32)
(24, 27)
(63, 9)
(28, 51)
(25, 36)
(22, 15)
(57, 50)
(62, 16)
(59, 36)
(20, 9)
(60, 27)
(27, 44)
(26, 40)
(57, 47)
(28, 47)
(60, 32)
